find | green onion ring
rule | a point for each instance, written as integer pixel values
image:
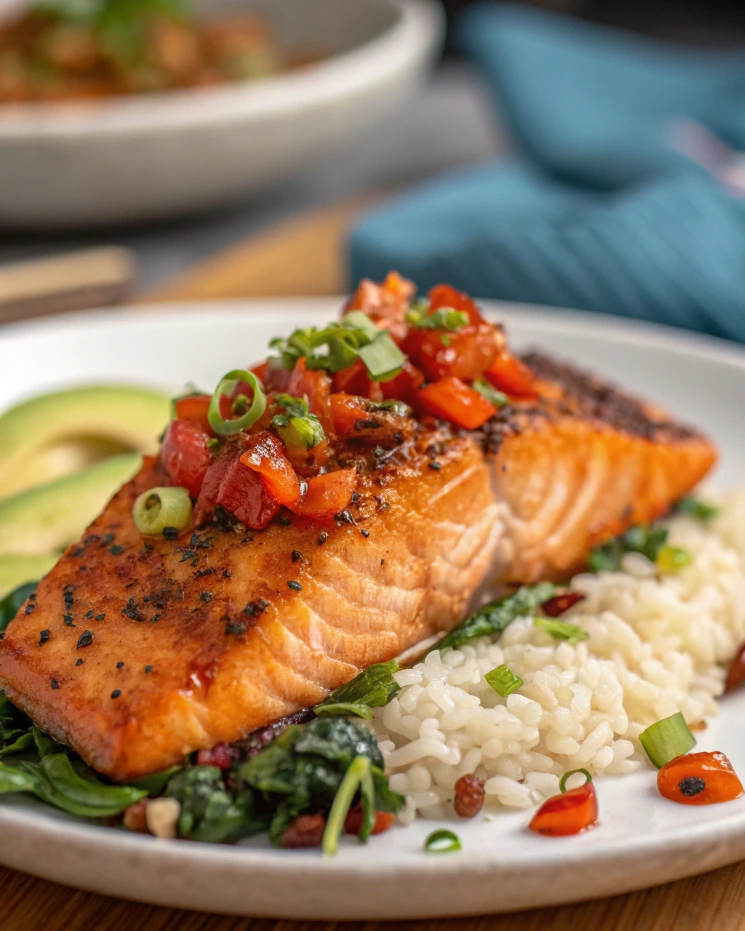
(159, 508)
(235, 425)
(572, 772)
(442, 841)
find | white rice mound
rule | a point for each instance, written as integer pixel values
(657, 645)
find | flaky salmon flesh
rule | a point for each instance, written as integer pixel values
(159, 647)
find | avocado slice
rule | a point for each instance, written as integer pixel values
(15, 570)
(50, 517)
(56, 433)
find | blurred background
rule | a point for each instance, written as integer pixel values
(285, 145)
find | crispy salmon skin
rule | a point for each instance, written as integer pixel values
(157, 647)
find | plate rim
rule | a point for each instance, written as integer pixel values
(409, 41)
(43, 827)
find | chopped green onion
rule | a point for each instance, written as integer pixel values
(444, 318)
(358, 320)
(358, 769)
(667, 739)
(697, 508)
(560, 630)
(672, 559)
(297, 426)
(487, 390)
(564, 779)
(248, 419)
(442, 841)
(503, 681)
(159, 508)
(382, 357)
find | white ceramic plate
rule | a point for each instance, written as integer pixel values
(641, 840)
(151, 156)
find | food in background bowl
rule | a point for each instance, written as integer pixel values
(62, 50)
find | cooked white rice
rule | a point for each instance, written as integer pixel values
(656, 645)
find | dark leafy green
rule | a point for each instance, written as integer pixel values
(302, 770)
(10, 604)
(208, 811)
(372, 688)
(697, 508)
(155, 783)
(645, 540)
(496, 616)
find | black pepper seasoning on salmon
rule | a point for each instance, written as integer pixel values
(85, 639)
(295, 586)
(116, 693)
(54, 683)
(43, 636)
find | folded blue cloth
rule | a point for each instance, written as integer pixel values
(600, 211)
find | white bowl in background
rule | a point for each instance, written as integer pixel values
(149, 157)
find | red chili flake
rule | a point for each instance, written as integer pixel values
(384, 820)
(469, 796)
(223, 756)
(561, 603)
(305, 831)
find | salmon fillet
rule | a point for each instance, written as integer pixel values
(155, 649)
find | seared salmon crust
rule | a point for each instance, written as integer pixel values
(158, 647)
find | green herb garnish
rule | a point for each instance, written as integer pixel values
(672, 559)
(372, 688)
(10, 604)
(487, 390)
(248, 418)
(697, 508)
(645, 540)
(572, 772)
(442, 841)
(302, 770)
(297, 426)
(667, 739)
(503, 681)
(444, 318)
(560, 630)
(495, 617)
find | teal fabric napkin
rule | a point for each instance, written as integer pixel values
(607, 207)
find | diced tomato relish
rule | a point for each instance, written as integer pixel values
(296, 451)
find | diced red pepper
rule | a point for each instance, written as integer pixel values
(699, 779)
(238, 489)
(185, 456)
(512, 376)
(466, 353)
(568, 813)
(355, 380)
(326, 495)
(451, 399)
(264, 453)
(195, 407)
(445, 295)
(561, 603)
(384, 303)
(384, 820)
(404, 387)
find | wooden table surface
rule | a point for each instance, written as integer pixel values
(305, 257)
